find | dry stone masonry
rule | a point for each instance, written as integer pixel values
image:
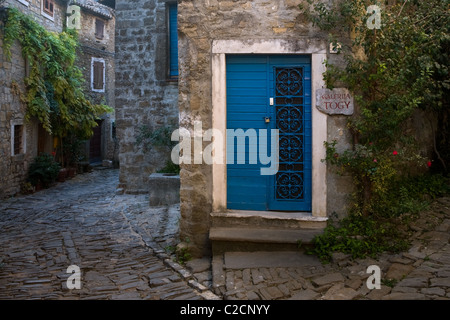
(145, 95)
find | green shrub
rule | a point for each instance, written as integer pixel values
(44, 170)
(386, 229)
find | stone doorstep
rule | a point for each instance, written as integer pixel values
(260, 235)
(267, 219)
(237, 230)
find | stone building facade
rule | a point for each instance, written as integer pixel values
(21, 140)
(18, 138)
(210, 34)
(220, 44)
(244, 68)
(97, 60)
(146, 92)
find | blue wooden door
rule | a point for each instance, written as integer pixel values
(264, 93)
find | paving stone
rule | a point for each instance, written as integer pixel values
(198, 265)
(440, 282)
(251, 295)
(404, 296)
(377, 294)
(328, 279)
(339, 292)
(271, 293)
(307, 294)
(257, 277)
(354, 284)
(433, 291)
(413, 282)
(398, 271)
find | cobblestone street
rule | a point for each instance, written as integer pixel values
(83, 222)
(119, 242)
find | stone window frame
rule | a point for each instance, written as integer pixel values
(47, 14)
(24, 2)
(93, 61)
(23, 144)
(317, 49)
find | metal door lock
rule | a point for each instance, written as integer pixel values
(267, 119)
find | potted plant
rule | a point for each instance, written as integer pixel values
(43, 171)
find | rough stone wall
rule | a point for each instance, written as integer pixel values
(91, 47)
(144, 95)
(34, 9)
(199, 23)
(13, 168)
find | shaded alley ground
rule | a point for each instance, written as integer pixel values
(119, 243)
(83, 222)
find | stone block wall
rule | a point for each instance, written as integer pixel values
(200, 22)
(14, 168)
(104, 49)
(144, 94)
(33, 8)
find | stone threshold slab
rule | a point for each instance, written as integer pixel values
(263, 235)
(301, 216)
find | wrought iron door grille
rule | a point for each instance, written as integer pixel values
(289, 181)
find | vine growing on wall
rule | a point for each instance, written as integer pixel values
(54, 83)
(393, 70)
(394, 67)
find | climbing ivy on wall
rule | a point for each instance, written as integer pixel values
(54, 85)
(393, 69)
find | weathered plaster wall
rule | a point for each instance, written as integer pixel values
(144, 95)
(200, 22)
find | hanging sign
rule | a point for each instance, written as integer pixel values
(336, 101)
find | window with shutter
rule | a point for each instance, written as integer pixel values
(173, 41)
(49, 6)
(98, 75)
(18, 139)
(99, 29)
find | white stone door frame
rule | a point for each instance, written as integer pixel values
(317, 50)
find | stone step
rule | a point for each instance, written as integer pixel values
(263, 235)
(256, 239)
(263, 230)
(268, 220)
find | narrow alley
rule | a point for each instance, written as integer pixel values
(83, 222)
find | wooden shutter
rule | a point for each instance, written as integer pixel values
(98, 79)
(18, 138)
(49, 6)
(99, 29)
(173, 41)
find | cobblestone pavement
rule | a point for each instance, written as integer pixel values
(118, 242)
(421, 273)
(83, 222)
